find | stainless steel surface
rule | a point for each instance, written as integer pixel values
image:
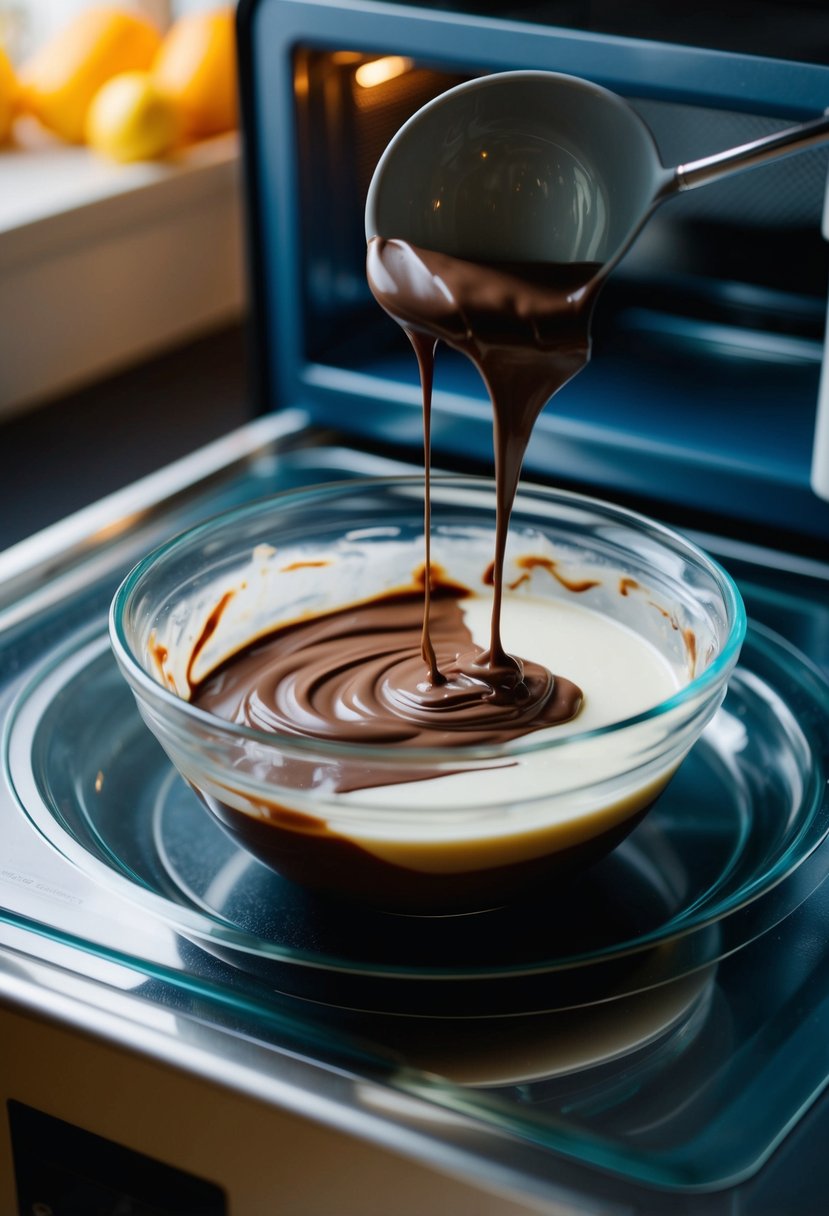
(758, 152)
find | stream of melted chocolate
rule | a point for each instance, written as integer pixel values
(404, 669)
(526, 327)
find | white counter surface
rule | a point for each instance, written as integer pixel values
(104, 264)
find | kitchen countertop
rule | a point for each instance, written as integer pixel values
(104, 265)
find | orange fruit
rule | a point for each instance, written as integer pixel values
(61, 78)
(131, 119)
(196, 67)
(8, 96)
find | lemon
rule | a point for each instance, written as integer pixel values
(8, 96)
(131, 119)
(196, 66)
(60, 80)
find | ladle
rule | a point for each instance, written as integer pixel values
(536, 166)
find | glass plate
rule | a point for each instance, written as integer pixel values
(731, 848)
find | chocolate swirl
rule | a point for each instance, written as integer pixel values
(357, 676)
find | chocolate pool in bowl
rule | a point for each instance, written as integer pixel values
(278, 654)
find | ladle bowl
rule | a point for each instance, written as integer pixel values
(536, 166)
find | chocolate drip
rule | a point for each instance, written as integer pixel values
(527, 330)
(424, 348)
(403, 669)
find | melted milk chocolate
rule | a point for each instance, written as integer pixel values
(403, 669)
(356, 676)
(527, 330)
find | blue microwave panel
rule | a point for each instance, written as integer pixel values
(717, 410)
(629, 65)
(613, 429)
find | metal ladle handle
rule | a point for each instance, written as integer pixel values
(710, 168)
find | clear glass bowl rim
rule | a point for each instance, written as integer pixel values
(526, 745)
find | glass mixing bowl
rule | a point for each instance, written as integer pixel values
(629, 604)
